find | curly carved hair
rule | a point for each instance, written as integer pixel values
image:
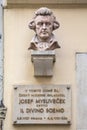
(44, 12)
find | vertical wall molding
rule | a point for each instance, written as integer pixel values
(81, 71)
(1, 52)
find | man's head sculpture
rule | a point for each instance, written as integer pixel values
(44, 23)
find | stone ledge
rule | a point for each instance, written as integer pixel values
(26, 3)
(38, 54)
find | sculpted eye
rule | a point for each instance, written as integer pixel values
(40, 23)
(48, 24)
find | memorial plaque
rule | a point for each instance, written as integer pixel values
(42, 104)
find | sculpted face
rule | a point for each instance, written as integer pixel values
(44, 27)
(44, 23)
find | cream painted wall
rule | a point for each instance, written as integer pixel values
(18, 68)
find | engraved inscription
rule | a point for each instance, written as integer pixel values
(45, 104)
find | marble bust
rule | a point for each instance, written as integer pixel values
(44, 23)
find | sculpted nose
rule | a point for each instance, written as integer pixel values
(44, 26)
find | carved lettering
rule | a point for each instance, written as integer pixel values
(38, 95)
(55, 95)
(23, 95)
(47, 90)
(22, 118)
(55, 110)
(34, 110)
(54, 101)
(25, 101)
(57, 90)
(36, 118)
(21, 110)
(34, 90)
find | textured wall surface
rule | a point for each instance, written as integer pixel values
(18, 68)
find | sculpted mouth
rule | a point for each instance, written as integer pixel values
(44, 32)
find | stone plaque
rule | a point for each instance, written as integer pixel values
(42, 104)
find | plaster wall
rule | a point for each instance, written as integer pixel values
(18, 68)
